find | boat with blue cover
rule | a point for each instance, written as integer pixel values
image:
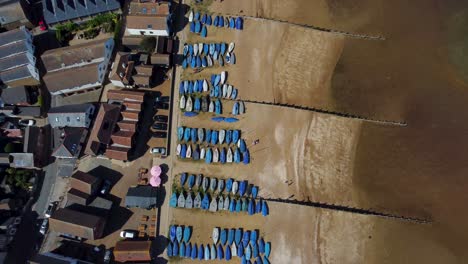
(214, 137)
(244, 205)
(246, 238)
(197, 26)
(220, 252)
(193, 135)
(253, 236)
(231, 120)
(251, 208)
(206, 48)
(189, 201)
(208, 135)
(183, 178)
(172, 233)
(184, 64)
(242, 188)
(218, 47)
(175, 248)
(228, 253)
(216, 91)
(218, 118)
(235, 136)
(248, 252)
(203, 18)
(193, 63)
(200, 252)
(197, 105)
(181, 88)
(209, 20)
(258, 207)
(208, 156)
(212, 94)
(183, 151)
(190, 114)
(207, 252)
(215, 21)
(180, 133)
(193, 255)
(192, 27)
(221, 21)
(238, 206)
(254, 191)
(205, 204)
(240, 250)
(265, 209)
(223, 236)
(197, 201)
(188, 250)
(218, 107)
(197, 16)
(173, 200)
(222, 155)
(230, 236)
(267, 249)
(212, 50)
(241, 145)
(246, 157)
(229, 185)
(234, 94)
(254, 249)
(169, 249)
(238, 236)
(223, 47)
(232, 23)
(187, 233)
(239, 23)
(181, 201)
(228, 136)
(235, 108)
(204, 63)
(199, 62)
(261, 245)
(204, 32)
(179, 233)
(226, 203)
(182, 250)
(220, 202)
(236, 156)
(217, 79)
(232, 205)
(205, 183)
(265, 260)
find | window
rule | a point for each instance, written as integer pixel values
(56, 119)
(150, 26)
(153, 10)
(68, 119)
(78, 118)
(143, 10)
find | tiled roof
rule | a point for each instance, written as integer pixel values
(14, 95)
(12, 36)
(147, 22)
(75, 108)
(149, 8)
(60, 80)
(56, 11)
(13, 48)
(13, 61)
(18, 73)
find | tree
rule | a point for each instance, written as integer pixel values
(148, 44)
(9, 148)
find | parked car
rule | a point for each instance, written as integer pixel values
(160, 126)
(162, 99)
(160, 134)
(44, 226)
(159, 150)
(50, 209)
(128, 234)
(161, 105)
(107, 256)
(106, 187)
(27, 122)
(161, 118)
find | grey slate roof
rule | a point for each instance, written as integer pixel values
(56, 11)
(13, 48)
(15, 74)
(75, 108)
(22, 160)
(14, 95)
(143, 196)
(14, 61)
(11, 11)
(12, 36)
(68, 115)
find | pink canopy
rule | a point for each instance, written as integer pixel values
(156, 171)
(155, 181)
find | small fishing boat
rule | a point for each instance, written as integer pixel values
(228, 253)
(228, 137)
(205, 203)
(213, 183)
(220, 185)
(223, 77)
(216, 55)
(234, 94)
(194, 252)
(239, 23)
(181, 200)
(235, 186)
(238, 236)
(248, 252)
(198, 180)
(258, 207)
(246, 238)
(226, 203)
(215, 235)
(169, 249)
(197, 26)
(220, 202)
(203, 19)
(204, 32)
(220, 252)
(218, 118)
(195, 49)
(229, 185)
(254, 191)
(200, 48)
(223, 236)
(221, 21)
(189, 151)
(217, 91)
(218, 47)
(189, 201)
(254, 249)
(188, 250)
(215, 21)
(197, 201)
(186, 86)
(220, 61)
(184, 64)
(205, 183)
(187, 233)
(212, 49)
(202, 153)
(261, 245)
(175, 248)
(214, 137)
(207, 252)
(201, 134)
(229, 156)
(234, 249)
(172, 233)
(209, 61)
(190, 17)
(204, 104)
(213, 252)
(173, 200)
(205, 86)
(251, 207)
(237, 156)
(217, 79)
(208, 136)
(241, 107)
(211, 107)
(191, 181)
(178, 149)
(183, 178)
(193, 134)
(232, 205)
(208, 156)
(182, 102)
(189, 104)
(230, 236)
(241, 145)
(197, 105)
(235, 108)
(179, 233)
(206, 48)
(233, 59)
(225, 87)
(265, 210)
(197, 16)
(235, 136)
(244, 205)
(267, 249)
(209, 20)
(183, 151)
(223, 47)
(181, 88)
(218, 109)
(200, 252)
(204, 63)
(242, 187)
(192, 27)
(253, 236)
(196, 153)
(213, 206)
(246, 157)
(222, 155)
(222, 135)
(232, 23)
(231, 47)
(199, 62)
(193, 63)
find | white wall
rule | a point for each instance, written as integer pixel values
(148, 32)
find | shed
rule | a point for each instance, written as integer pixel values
(143, 196)
(133, 251)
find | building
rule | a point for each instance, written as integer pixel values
(77, 223)
(22, 160)
(16, 13)
(85, 182)
(125, 95)
(17, 61)
(78, 115)
(53, 258)
(36, 141)
(75, 196)
(122, 70)
(161, 60)
(60, 11)
(87, 63)
(20, 95)
(98, 206)
(132, 251)
(149, 18)
(142, 196)
(104, 125)
(68, 142)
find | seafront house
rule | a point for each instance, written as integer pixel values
(77, 11)
(17, 61)
(149, 18)
(78, 115)
(87, 63)
(17, 13)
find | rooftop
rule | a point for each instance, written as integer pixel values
(60, 80)
(147, 22)
(56, 11)
(13, 48)
(149, 8)
(12, 36)
(75, 108)
(104, 124)
(14, 61)
(14, 95)
(84, 177)
(75, 217)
